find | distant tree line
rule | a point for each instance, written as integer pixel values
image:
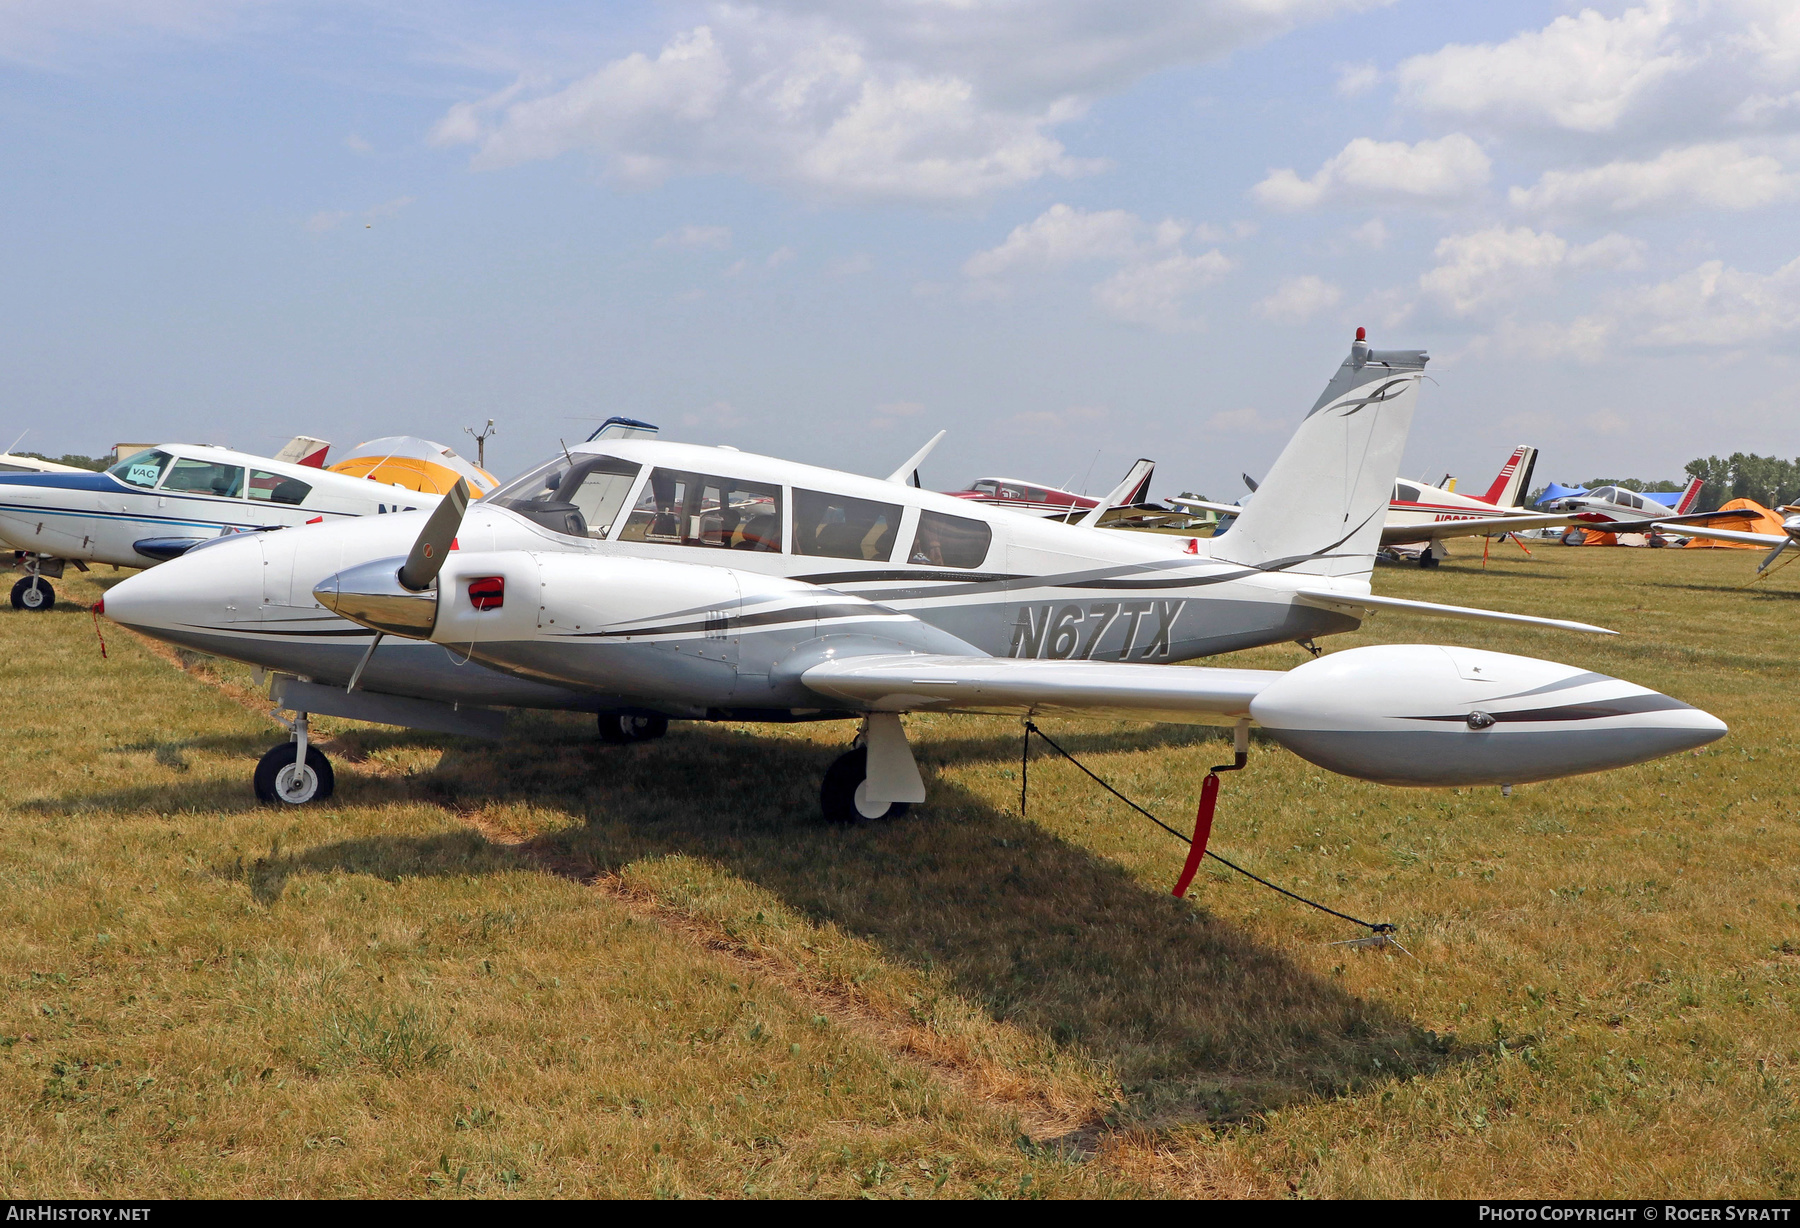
(95, 463)
(1768, 480)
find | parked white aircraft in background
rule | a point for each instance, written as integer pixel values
(1421, 515)
(1777, 542)
(646, 581)
(161, 502)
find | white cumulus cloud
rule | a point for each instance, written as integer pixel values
(1476, 270)
(716, 238)
(1367, 171)
(889, 101)
(1717, 306)
(1714, 176)
(1153, 293)
(1299, 299)
(1580, 72)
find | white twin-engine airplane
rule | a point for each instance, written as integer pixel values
(160, 502)
(648, 581)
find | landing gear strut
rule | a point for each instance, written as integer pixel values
(844, 797)
(294, 773)
(874, 780)
(617, 727)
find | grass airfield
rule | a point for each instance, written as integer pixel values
(548, 967)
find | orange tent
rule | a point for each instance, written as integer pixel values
(1765, 522)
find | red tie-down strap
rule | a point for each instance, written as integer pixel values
(1203, 819)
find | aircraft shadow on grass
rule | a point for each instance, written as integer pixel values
(1197, 1018)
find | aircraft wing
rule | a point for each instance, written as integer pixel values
(1204, 505)
(1732, 535)
(1007, 686)
(1487, 526)
(1659, 522)
(1362, 603)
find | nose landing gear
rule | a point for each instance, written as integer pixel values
(294, 773)
(33, 593)
(619, 727)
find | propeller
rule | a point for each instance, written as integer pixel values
(428, 553)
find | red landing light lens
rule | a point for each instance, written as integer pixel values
(488, 593)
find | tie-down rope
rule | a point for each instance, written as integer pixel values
(1197, 841)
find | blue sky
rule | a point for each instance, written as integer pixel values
(1072, 232)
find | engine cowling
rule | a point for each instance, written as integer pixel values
(1426, 715)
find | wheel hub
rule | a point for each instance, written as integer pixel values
(296, 783)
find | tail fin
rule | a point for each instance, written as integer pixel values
(304, 450)
(1127, 492)
(1514, 479)
(1690, 496)
(1320, 508)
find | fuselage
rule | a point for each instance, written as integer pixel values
(784, 553)
(157, 504)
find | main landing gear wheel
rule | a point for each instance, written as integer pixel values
(617, 727)
(844, 796)
(280, 778)
(33, 593)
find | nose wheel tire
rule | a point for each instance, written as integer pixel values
(617, 727)
(844, 796)
(280, 779)
(33, 593)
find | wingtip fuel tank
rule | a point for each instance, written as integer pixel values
(1424, 715)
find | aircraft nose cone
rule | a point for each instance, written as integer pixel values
(371, 594)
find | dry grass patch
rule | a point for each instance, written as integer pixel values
(547, 966)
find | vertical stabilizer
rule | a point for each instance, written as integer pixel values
(1515, 478)
(304, 450)
(1320, 509)
(1690, 496)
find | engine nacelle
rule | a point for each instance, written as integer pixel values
(1416, 714)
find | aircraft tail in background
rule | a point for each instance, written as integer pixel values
(1320, 509)
(304, 450)
(1690, 496)
(1514, 481)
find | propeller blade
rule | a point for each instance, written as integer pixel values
(428, 553)
(1773, 555)
(1249, 481)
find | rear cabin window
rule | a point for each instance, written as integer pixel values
(200, 477)
(677, 508)
(1405, 493)
(580, 496)
(950, 541)
(268, 487)
(839, 527)
(142, 468)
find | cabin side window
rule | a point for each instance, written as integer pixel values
(268, 487)
(1406, 493)
(200, 477)
(950, 541)
(142, 468)
(677, 508)
(579, 495)
(839, 527)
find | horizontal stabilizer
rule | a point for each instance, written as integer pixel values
(1179, 694)
(1351, 602)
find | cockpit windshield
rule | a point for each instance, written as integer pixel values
(579, 495)
(142, 468)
